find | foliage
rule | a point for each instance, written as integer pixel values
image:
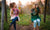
(25, 20)
(46, 25)
(6, 26)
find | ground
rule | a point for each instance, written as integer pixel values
(25, 23)
(22, 27)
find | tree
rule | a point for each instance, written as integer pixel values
(0, 5)
(5, 11)
(2, 15)
(45, 11)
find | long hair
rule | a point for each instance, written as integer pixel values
(35, 8)
(12, 5)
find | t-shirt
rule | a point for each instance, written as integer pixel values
(34, 15)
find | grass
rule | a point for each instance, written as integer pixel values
(0, 26)
(0, 18)
(46, 25)
(25, 20)
(6, 26)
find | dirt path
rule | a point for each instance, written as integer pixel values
(22, 27)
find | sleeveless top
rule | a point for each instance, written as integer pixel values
(14, 12)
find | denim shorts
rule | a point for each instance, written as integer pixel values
(36, 22)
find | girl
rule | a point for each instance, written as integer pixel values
(14, 14)
(35, 16)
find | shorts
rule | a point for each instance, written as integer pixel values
(36, 22)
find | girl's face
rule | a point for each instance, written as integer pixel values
(33, 6)
(36, 5)
(15, 5)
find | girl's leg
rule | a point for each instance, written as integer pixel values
(38, 21)
(37, 27)
(15, 25)
(11, 24)
(13, 20)
(34, 25)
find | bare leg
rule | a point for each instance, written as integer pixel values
(38, 21)
(37, 27)
(32, 24)
(34, 28)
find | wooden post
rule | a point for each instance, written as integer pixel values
(2, 15)
(45, 11)
(5, 11)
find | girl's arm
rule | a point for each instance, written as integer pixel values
(11, 12)
(17, 12)
(31, 10)
(39, 10)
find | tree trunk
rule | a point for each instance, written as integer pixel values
(45, 11)
(5, 11)
(2, 15)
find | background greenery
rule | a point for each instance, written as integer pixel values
(0, 17)
(25, 20)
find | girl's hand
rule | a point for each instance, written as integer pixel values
(11, 15)
(35, 10)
